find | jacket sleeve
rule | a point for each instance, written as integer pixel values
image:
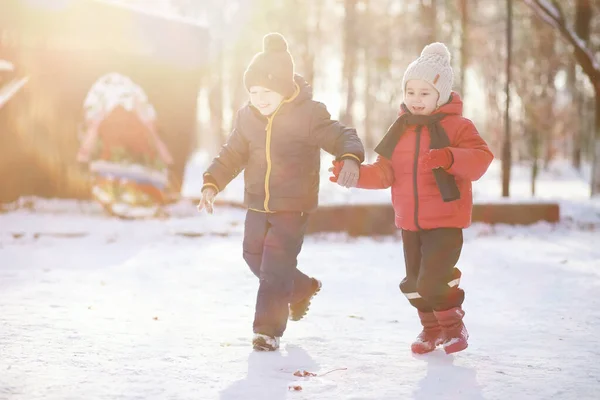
(230, 161)
(471, 154)
(336, 139)
(379, 175)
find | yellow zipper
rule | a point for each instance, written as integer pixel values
(269, 129)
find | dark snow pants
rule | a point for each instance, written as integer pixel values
(272, 242)
(432, 279)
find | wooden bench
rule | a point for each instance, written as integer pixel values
(378, 219)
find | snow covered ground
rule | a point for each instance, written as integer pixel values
(97, 308)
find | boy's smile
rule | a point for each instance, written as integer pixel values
(265, 100)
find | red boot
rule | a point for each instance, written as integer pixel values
(454, 331)
(430, 336)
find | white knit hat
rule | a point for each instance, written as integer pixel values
(433, 66)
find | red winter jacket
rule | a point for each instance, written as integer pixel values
(415, 196)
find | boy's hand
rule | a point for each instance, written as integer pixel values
(207, 200)
(437, 158)
(349, 173)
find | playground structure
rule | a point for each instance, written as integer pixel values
(52, 54)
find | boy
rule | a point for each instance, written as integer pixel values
(277, 139)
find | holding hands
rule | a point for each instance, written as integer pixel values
(345, 173)
(349, 173)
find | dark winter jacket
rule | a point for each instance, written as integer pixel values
(281, 153)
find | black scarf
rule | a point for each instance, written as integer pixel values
(438, 139)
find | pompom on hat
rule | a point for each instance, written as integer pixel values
(433, 66)
(273, 68)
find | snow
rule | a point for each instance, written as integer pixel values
(100, 308)
(139, 310)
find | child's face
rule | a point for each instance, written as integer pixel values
(265, 100)
(420, 97)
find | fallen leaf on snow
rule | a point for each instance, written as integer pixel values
(302, 372)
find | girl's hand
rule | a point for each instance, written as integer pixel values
(437, 158)
(335, 170)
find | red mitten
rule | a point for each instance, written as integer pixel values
(437, 158)
(335, 170)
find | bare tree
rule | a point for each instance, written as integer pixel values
(583, 17)
(464, 43)
(368, 100)
(428, 18)
(350, 62)
(551, 13)
(507, 144)
(537, 61)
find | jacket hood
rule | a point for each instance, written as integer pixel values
(306, 91)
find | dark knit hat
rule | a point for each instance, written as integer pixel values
(273, 68)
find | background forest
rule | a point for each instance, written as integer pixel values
(354, 53)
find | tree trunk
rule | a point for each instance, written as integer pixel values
(595, 189)
(349, 60)
(534, 175)
(506, 145)
(215, 95)
(547, 70)
(583, 17)
(464, 40)
(428, 26)
(368, 102)
(311, 36)
(576, 98)
(550, 12)
(238, 66)
(535, 155)
(215, 104)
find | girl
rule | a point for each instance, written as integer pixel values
(430, 156)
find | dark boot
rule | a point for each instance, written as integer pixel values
(298, 310)
(454, 331)
(430, 336)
